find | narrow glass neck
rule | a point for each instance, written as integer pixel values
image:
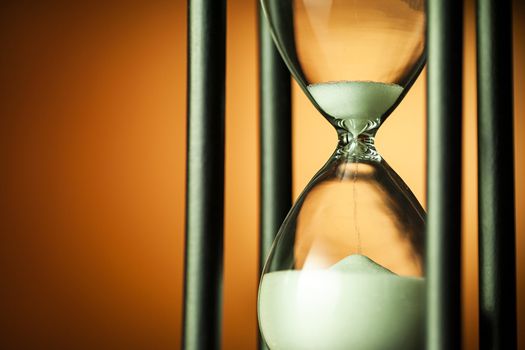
(357, 148)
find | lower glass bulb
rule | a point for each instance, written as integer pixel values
(346, 269)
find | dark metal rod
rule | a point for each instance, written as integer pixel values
(275, 138)
(205, 174)
(443, 261)
(497, 250)
(275, 141)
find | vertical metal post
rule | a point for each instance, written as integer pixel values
(443, 263)
(275, 141)
(497, 256)
(205, 174)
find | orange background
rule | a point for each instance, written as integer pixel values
(92, 125)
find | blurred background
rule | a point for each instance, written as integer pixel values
(92, 179)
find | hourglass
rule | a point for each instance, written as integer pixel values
(346, 268)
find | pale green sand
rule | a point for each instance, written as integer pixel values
(356, 304)
(355, 99)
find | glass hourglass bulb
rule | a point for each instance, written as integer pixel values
(346, 268)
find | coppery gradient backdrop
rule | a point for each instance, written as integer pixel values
(92, 121)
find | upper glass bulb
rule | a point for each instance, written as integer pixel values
(353, 58)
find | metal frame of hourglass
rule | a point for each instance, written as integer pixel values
(204, 210)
